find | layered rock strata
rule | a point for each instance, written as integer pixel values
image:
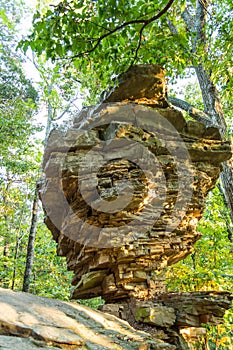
(29, 322)
(173, 316)
(123, 191)
(116, 249)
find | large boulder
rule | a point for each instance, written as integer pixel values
(123, 192)
(29, 322)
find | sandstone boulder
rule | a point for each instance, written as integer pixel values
(29, 322)
(123, 193)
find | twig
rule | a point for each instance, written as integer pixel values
(144, 22)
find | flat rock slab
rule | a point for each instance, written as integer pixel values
(8, 342)
(30, 322)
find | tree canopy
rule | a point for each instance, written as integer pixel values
(183, 36)
(94, 36)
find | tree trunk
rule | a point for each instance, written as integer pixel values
(49, 116)
(191, 110)
(211, 99)
(213, 108)
(32, 234)
(227, 184)
(31, 240)
(6, 242)
(6, 245)
(196, 24)
(15, 260)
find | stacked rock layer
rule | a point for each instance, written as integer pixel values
(123, 194)
(123, 191)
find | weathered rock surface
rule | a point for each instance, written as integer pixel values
(175, 309)
(173, 317)
(120, 253)
(123, 192)
(29, 322)
(142, 84)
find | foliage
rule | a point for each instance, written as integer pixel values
(73, 28)
(207, 272)
(17, 100)
(59, 88)
(21, 157)
(93, 36)
(50, 277)
(210, 266)
(93, 303)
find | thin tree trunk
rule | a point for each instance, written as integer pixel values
(213, 107)
(32, 233)
(6, 245)
(6, 242)
(31, 240)
(50, 115)
(211, 99)
(17, 243)
(212, 103)
(227, 184)
(15, 261)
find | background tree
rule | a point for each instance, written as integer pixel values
(20, 157)
(18, 100)
(59, 97)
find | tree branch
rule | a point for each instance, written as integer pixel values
(191, 110)
(172, 27)
(200, 19)
(188, 19)
(226, 215)
(139, 45)
(144, 22)
(66, 110)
